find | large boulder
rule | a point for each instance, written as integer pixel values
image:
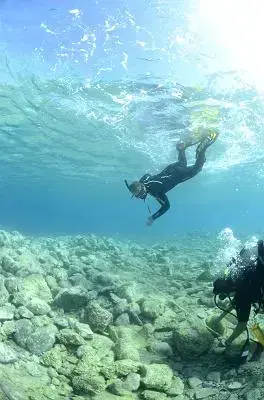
(191, 338)
(157, 377)
(41, 340)
(38, 306)
(33, 286)
(36, 340)
(97, 317)
(71, 298)
(23, 331)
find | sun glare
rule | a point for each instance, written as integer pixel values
(236, 26)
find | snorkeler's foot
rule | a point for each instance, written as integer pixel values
(207, 141)
(183, 144)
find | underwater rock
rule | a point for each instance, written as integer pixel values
(7, 312)
(132, 382)
(234, 386)
(127, 292)
(12, 284)
(79, 280)
(102, 344)
(177, 387)
(83, 330)
(97, 317)
(24, 312)
(194, 382)
(203, 393)
(167, 321)
(157, 377)
(4, 295)
(206, 301)
(53, 358)
(126, 350)
(118, 388)
(11, 392)
(38, 306)
(7, 354)
(89, 363)
(8, 328)
(217, 326)
(191, 338)
(41, 340)
(163, 349)
(122, 319)
(33, 286)
(70, 337)
(71, 298)
(89, 383)
(60, 321)
(125, 367)
(253, 394)
(214, 376)
(9, 265)
(52, 284)
(152, 308)
(23, 330)
(152, 395)
(121, 305)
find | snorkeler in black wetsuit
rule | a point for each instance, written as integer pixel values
(175, 173)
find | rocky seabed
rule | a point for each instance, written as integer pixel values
(94, 318)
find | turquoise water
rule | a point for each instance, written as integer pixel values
(91, 95)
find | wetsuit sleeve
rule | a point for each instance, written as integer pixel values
(165, 205)
(143, 178)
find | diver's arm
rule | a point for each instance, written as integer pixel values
(165, 205)
(240, 328)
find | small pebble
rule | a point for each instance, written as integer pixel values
(234, 386)
(194, 382)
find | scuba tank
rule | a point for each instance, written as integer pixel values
(258, 333)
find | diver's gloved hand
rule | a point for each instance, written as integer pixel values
(150, 221)
(222, 342)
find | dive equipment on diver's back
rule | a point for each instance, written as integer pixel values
(258, 333)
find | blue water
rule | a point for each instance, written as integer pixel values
(92, 94)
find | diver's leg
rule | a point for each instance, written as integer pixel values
(181, 147)
(200, 154)
(182, 160)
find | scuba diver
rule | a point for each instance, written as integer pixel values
(244, 282)
(175, 173)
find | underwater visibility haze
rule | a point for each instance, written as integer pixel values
(95, 304)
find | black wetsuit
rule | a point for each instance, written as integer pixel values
(249, 289)
(178, 172)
